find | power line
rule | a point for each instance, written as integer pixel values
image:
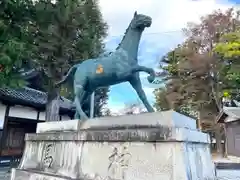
(153, 33)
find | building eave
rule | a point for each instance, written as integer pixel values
(31, 98)
(229, 114)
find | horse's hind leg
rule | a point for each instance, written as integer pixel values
(79, 96)
(83, 101)
(76, 115)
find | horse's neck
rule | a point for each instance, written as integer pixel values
(130, 42)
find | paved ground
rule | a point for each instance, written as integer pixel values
(228, 174)
(222, 174)
(4, 174)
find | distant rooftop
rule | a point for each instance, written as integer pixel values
(31, 97)
(229, 114)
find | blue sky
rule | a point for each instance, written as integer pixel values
(169, 17)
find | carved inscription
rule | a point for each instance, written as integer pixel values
(48, 155)
(118, 163)
(119, 160)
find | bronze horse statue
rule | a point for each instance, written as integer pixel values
(113, 68)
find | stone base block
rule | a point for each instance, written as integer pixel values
(133, 152)
(168, 159)
(116, 161)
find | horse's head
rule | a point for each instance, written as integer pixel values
(140, 21)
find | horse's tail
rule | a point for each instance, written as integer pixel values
(70, 73)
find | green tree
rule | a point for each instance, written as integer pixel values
(14, 36)
(229, 54)
(67, 32)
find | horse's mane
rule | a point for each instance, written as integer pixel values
(124, 35)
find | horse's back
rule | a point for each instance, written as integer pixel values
(90, 67)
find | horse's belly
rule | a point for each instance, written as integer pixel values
(102, 81)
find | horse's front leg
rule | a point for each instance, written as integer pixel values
(150, 71)
(136, 84)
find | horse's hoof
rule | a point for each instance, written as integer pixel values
(85, 118)
(150, 79)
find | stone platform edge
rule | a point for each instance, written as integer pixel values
(164, 118)
(227, 166)
(120, 134)
(20, 174)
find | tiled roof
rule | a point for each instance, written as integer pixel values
(229, 114)
(32, 97)
(232, 111)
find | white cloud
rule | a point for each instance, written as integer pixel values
(168, 15)
(115, 108)
(149, 92)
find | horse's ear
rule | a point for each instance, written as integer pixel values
(135, 13)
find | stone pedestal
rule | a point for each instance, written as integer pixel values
(152, 146)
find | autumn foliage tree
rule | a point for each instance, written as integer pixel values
(198, 71)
